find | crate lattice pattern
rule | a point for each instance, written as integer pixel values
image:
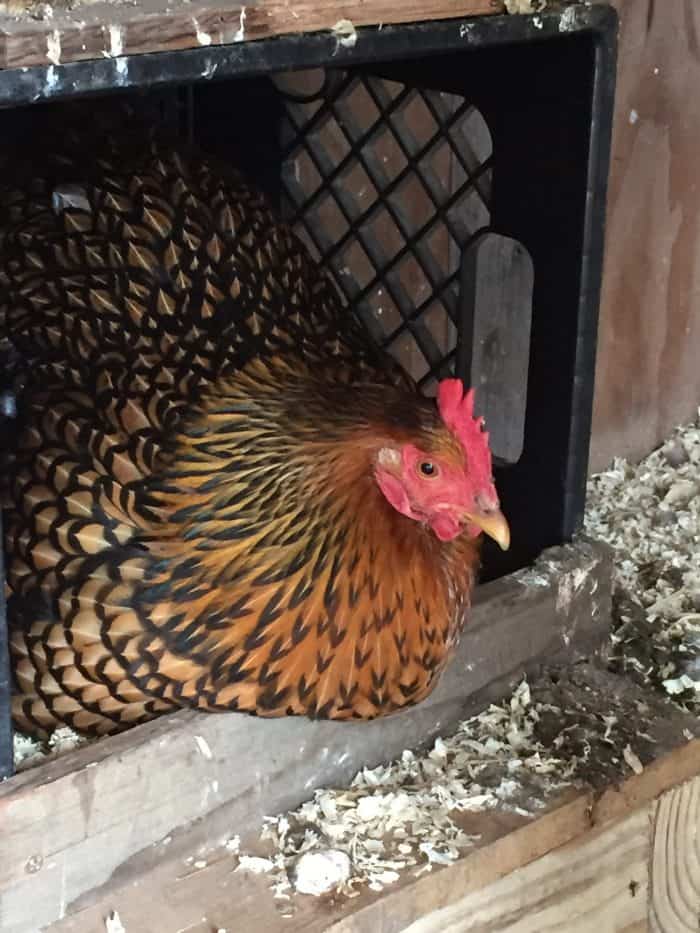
(387, 184)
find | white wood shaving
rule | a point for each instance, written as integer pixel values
(345, 33)
(29, 752)
(65, 740)
(113, 923)
(515, 7)
(319, 872)
(632, 759)
(252, 863)
(402, 815)
(53, 47)
(680, 684)
(240, 32)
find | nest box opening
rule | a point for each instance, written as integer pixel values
(453, 185)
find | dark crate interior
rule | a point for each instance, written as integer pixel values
(390, 169)
(387, 183)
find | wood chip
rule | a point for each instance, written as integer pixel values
(632, 759)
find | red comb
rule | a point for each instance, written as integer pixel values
(456, 409)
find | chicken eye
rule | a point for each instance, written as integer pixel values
(428, 468)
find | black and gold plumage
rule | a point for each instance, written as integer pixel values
(192, 516)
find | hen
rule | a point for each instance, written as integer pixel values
(221, 494)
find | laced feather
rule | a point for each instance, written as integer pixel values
(193, 520)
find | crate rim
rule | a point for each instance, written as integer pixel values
(41, 84)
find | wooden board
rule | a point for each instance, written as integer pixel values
(647, 376)
(641, 873)
(111, 29)
(110, 806)
(583, 886)
(566, 871)
(675, 861)
(494, 352)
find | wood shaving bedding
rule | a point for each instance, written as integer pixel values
(413, 814)
(405, 815)
(650, 514)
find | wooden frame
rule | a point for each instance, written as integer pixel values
(100, 814)
(110, 30)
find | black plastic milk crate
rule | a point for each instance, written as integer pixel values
(394, 158)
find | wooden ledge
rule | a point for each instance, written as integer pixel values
(626, 861)
(98, 816)
(111, 29)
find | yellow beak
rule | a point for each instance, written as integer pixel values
(494, 525)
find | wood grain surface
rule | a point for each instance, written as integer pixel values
(648, 378)
(110, 29)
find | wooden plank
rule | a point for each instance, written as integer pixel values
(111, 804)
(235, 902)
(494, 351)
(639, 873)
(649, 325)
(563, 871)
(675, 865)
(566, 824)
(109, 29)
(583, 886)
